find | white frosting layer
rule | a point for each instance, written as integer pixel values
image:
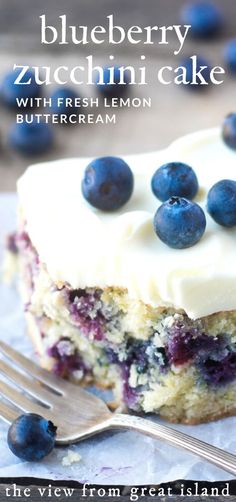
(86, 247)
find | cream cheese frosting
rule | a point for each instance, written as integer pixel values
(86, 247)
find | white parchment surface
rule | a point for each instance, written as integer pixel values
(112, 458)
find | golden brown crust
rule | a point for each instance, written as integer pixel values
(203, 420)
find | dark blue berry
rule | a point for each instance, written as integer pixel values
(185, 344)
(31, 139)
(221, 203)
(174, 178)
(59, 104)
(192, 71)
(229, 130)
(65, 364)
(9, 91)
(82, 306)
(218, 372)
(31, 437)
(179, 223)
(116, 89)
(108, 183)
(205, 19)
(180, 348)
(230, 55)
(112, 356)
(136, 354)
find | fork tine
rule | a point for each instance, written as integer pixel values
(21, 401)
(32, 369)
(7, 413)
(30, 386)
(59, 385)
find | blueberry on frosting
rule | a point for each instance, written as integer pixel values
(221, 202)
(229, 130)
(108, 183)
(174, 178)
(179, 223)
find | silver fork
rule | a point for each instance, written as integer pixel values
(79, 414)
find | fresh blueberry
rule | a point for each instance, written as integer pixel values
(205, 19)
(108, 183)
(174, 178)
(192, 71)
(9, 91)
(116, 89)
(31, 139)
(221, 203)
(229, 130)
(179, 223)
(63, 101)
(230, 55)
(31, 437)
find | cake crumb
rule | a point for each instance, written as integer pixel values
(72, 457)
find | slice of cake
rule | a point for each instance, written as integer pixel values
(108, 302)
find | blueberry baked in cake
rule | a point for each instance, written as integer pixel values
(127, 271)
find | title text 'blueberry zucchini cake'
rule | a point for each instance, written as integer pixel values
(128, 274)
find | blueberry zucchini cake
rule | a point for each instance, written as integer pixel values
(127, 272)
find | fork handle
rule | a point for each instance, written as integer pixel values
(214, 455)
